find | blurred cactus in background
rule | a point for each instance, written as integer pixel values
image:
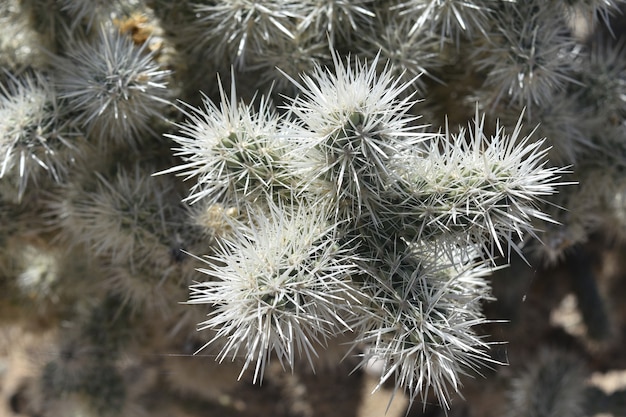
(200, 197)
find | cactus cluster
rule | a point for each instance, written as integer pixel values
(293, 182)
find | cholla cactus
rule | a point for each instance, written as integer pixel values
(359, 162)
(422, 306)
(347, 127)
(234, 28)
(282, 286)
(553, 385)
(395, 154)
(448, 17)
(478, 190)
(531, 58)
(115, 87)
(235, 152)
(33, 135)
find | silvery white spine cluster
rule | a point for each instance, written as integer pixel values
(357, 220)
